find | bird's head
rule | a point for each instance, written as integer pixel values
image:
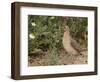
(66, 29)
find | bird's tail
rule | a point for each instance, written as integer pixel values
(84, 51)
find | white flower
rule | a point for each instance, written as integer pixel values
(33, 24)
(31, 36)
(52, 17)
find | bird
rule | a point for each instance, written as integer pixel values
(70, 45)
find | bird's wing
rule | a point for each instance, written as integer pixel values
(75, 45)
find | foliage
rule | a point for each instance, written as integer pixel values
(45, 32)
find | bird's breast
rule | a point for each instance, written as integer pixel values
(67, 44)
